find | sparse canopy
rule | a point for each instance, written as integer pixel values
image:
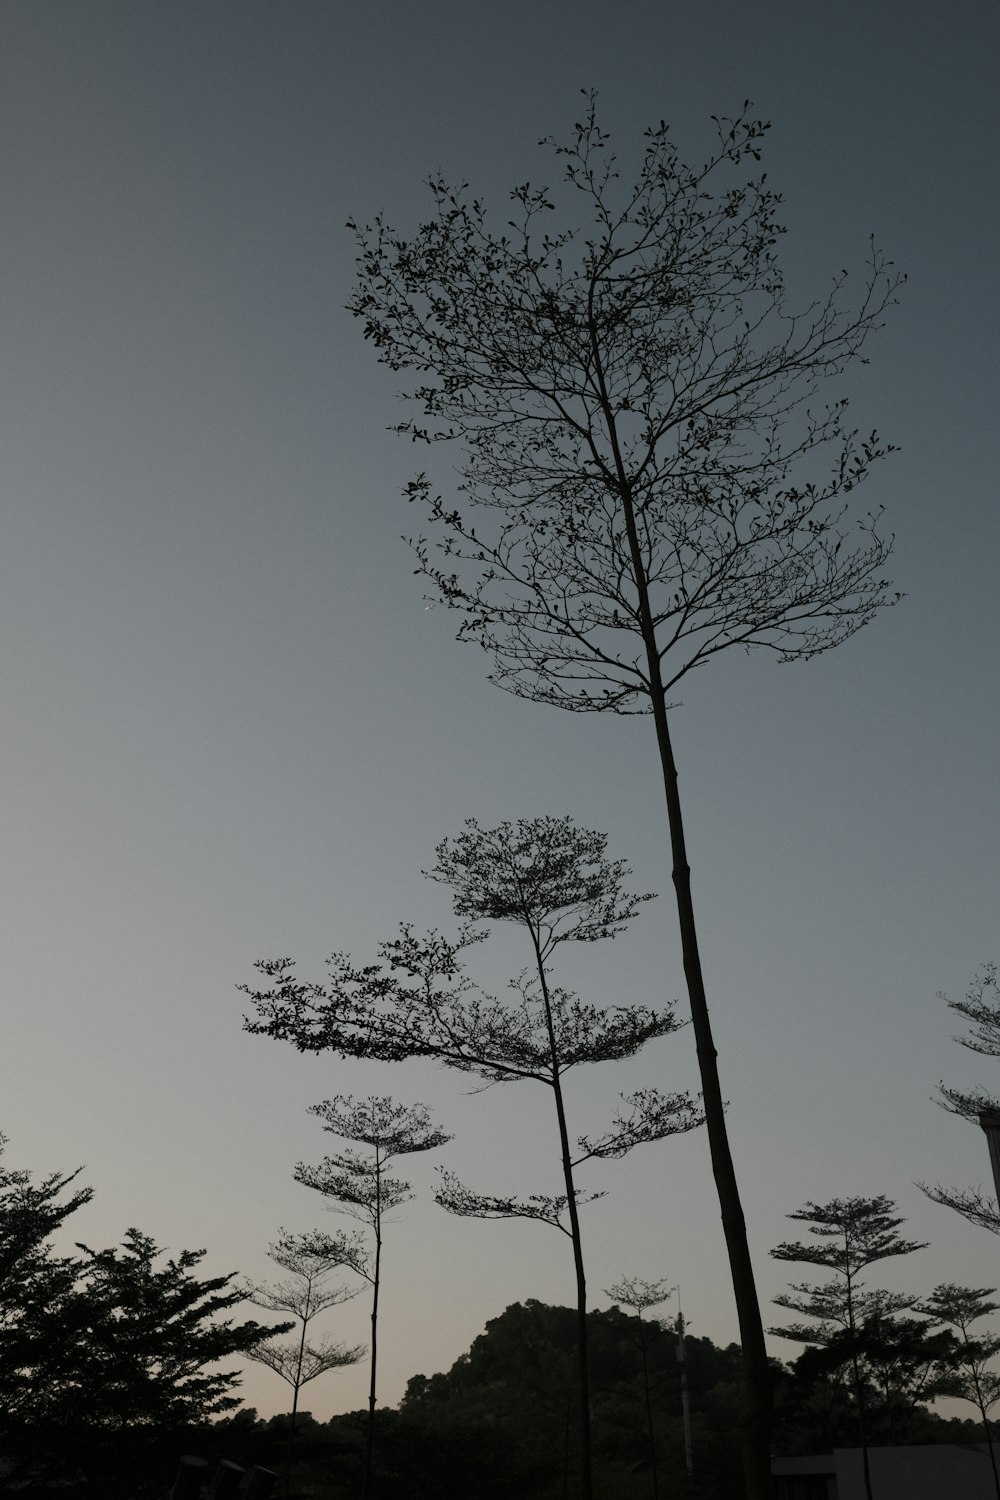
(418, 1001)
(305, 1293)
(980, 1007)
(309, 1259)
(854, 1233)
(635, 400)
(858, 1231)
(639, 1295)
(546, 874)
(297, 1367)
(968, 1375)
(358, 1184)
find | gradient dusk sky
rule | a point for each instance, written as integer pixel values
(232, 730)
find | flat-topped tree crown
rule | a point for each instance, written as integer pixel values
(546, 873)
(359, 1182)
(861, 1231)
(380, 1122)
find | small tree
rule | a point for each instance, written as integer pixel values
(359, 1185)
(854, 1233)
(552, 879)
(654, 476)
(104, 1353)
(156, 1331)
(981, 1008)
(640, 1296)
(968, 1376)
(305, 1294)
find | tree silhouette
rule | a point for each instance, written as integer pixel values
(640, 1296)
(649, 474)
(157, 1331)
(854, 1233)
(37, 1289)
(359, 1185)
(968, 1375)
(305, 1293)
(981, 1008)
(553, 880)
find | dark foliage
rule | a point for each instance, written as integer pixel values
(648, 471)
(553, 880)
(498, 1425)
(519, 1376)
(106, 1357)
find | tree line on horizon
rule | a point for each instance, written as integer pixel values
(107, 1370)
(126, 1388)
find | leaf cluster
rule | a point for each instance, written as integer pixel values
(858, 1232)
(853, 1233)
(418, 1001)
(104, 1351)
(358, 1183)
(544, 873)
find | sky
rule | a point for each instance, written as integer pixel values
(233, 731)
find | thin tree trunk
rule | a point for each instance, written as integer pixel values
(757, 1415)
(981, 1403)
(583, 1363)
(649, 1408)
(370, 1435)
(296, 1385)
(859, 1391)
(862, 1426)
(755, 1424)
(993, 1457)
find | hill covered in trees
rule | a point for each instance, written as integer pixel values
(499, 1425)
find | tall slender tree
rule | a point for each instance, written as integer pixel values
(553, 880)
(853, 1233)
(305, 1293)
(650, 474)
(358, 1183)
